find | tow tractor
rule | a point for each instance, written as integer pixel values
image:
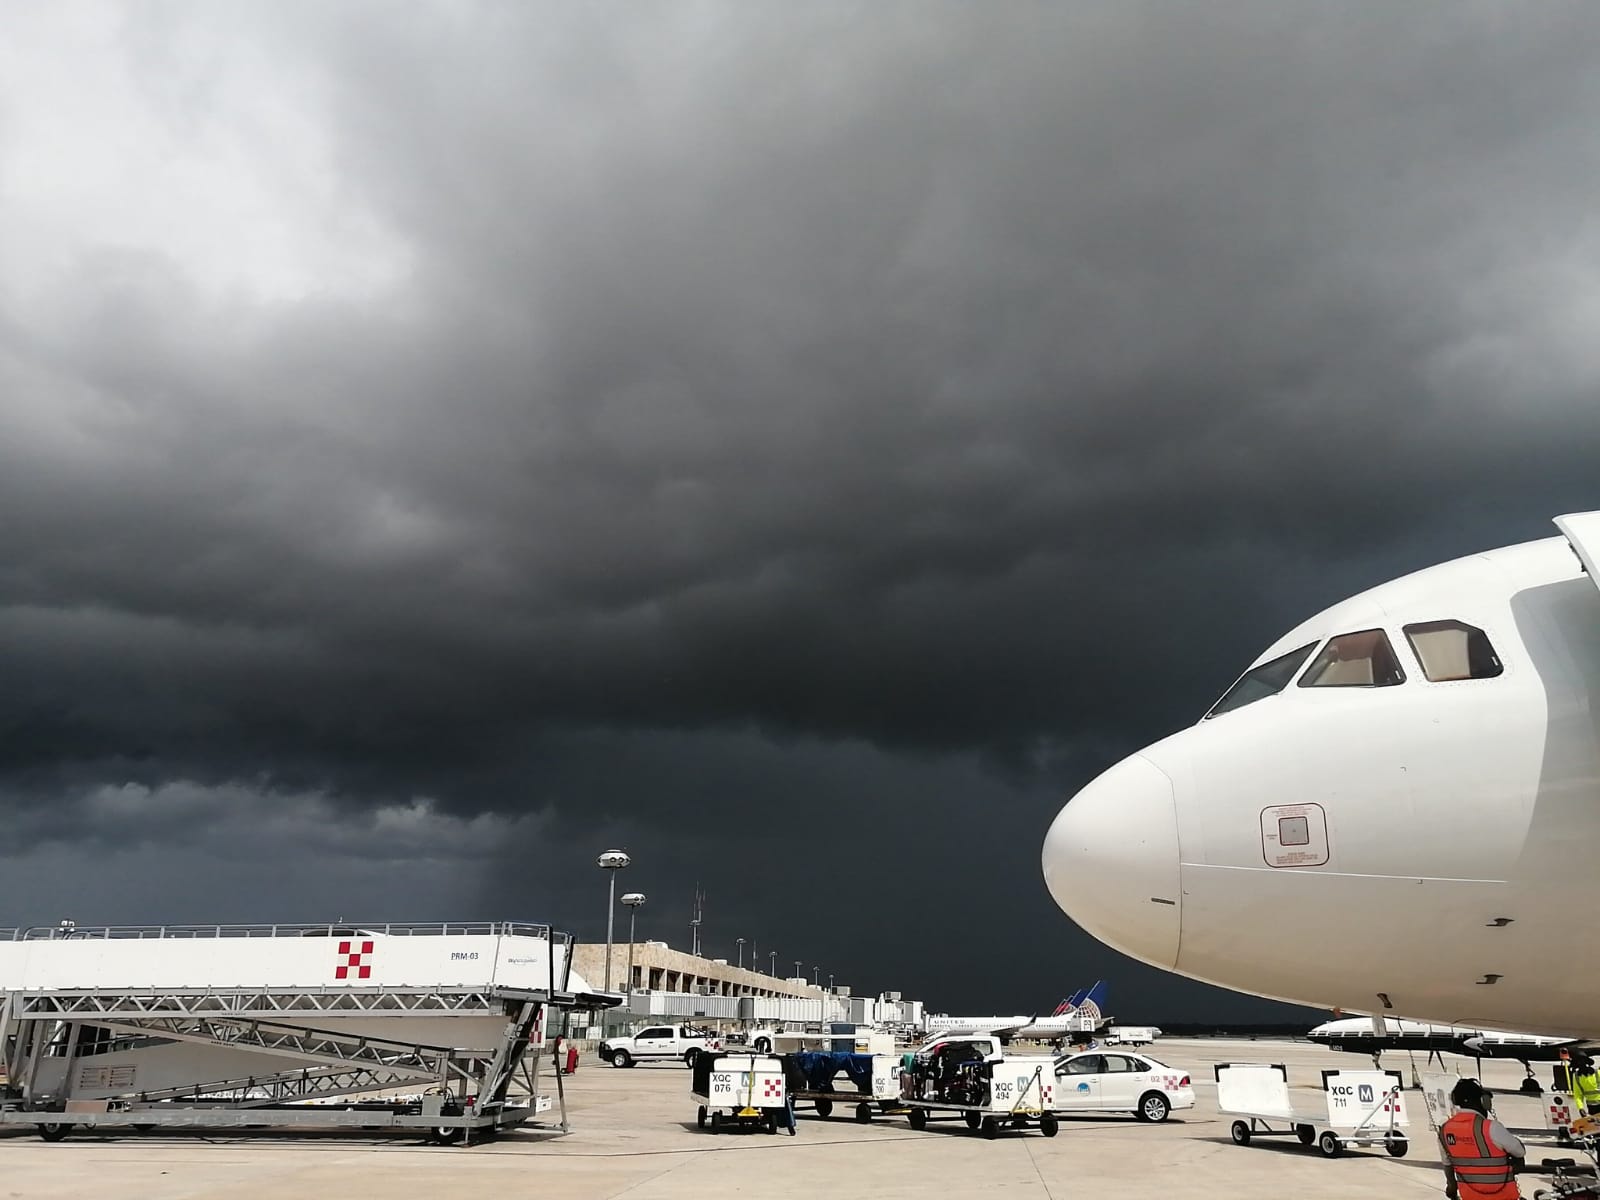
(1362, 1108)
(735, 1090)
(972, 1078)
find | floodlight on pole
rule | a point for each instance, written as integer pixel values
(632, 900)
(774, 957)
(797, 974)
(611, 862)
(741, 952)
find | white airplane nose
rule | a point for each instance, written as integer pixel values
(1111, 861)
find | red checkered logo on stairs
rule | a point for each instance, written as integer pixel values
(353, 963)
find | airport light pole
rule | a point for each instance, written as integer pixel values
(774, 957)
(797, 974)
(741, 952)
(816, 976)
(611, 862)
(632, 900)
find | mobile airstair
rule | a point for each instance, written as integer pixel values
(431, 1029)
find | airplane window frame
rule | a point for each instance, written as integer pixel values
(1454, 623)
(1301, 655)
(1306, 681)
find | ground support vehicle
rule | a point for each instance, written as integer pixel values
(282, 1026)
(738, 1090)
(876, 1078)
(1361, 1108)
(956, 1077)
(1105, 1081)
(658, 1043)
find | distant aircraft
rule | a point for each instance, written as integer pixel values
(1078, 1016)
(1361, 1035)
(1396, 809)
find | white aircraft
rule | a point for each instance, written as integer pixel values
(1078, 1015)
(1395, 809)
(1362, 1035)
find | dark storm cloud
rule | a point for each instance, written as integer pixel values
(520, 408)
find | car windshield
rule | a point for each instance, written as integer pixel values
(1258, 683)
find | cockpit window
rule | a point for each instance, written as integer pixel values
(1451, 650)
(1364, 659)
(1268, 679)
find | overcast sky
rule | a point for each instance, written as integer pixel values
(800, 444)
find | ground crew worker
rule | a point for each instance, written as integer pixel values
(1585, 1084)
(1480, 1154)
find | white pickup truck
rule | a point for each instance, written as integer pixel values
(656, 1043)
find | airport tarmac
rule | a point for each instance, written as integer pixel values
(633, 1134)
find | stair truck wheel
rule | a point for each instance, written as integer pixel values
(1397, 1145)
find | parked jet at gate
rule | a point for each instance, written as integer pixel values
(1395, 809)
(1078, 1016)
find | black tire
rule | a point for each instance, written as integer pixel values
(1240, 1132)
(54, 1131)
(763, 1045)
(1397, 1145)
(689, 1056)
(1306, 1133)
(1049, 1124)
(716, 1122)
(142, 1127)
(700, 1118)
(991, 1128)
(918, 1118)
(447, 1135)
(863, 1113)
(824, 1107)
(972, 1119)
(1330, 1144)
(1153, 1107)
(621, 1058)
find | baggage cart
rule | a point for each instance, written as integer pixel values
(738, 1091)
(1360, 1108)
(998, 1093)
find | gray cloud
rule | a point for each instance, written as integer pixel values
(519, 406)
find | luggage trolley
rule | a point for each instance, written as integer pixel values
(876, 1078)
(735, 1090)
(987, 1096)
(1363, 1108)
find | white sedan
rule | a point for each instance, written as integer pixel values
(1096, 1081)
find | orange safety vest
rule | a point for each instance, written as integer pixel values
(1483, 1171)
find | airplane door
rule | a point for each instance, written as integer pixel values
(1078, 1084)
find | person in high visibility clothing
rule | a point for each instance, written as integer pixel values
(1585, 1083)
(1480, 1154)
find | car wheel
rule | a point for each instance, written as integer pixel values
(689, 1056)
(1154, 1108)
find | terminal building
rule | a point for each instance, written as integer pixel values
(671, 985)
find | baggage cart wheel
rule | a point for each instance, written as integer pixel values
(1330, 1144)
(1240, 1133)
(1049, 1124)
(716, 1122)
(1153, 1108)
(1396, 1144)
(700, 1118)
(991, 1128)
(972, 1119)
(54, 1131)
(770, 1120)
(1306, 1134)
(863, 1113)
(447, 1135)
(824, 1108)
(918, 1118)
(622, 1059)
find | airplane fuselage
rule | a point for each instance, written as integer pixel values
(1406, 832)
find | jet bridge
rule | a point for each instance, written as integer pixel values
(434, 1029)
